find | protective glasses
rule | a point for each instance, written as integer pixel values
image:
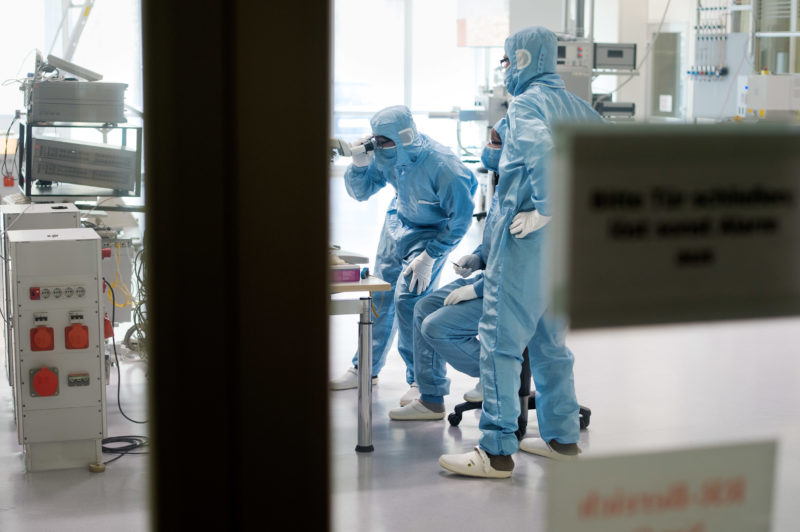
(505, 61)
(383, 142)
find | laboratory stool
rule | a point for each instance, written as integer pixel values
(527, 401)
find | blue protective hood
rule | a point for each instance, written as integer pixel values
(490, 157)
(397, 124)
(532, 54)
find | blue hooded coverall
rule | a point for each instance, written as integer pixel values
(515, 301)
(431, 211)
(448, 334)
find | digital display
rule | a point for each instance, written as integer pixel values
(615, 53)
(562, 52)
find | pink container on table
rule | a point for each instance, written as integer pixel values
(345, 273)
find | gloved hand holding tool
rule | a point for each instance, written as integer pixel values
(467, 264)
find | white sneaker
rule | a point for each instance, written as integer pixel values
(415, 410)
(348, 380)
(472, 464)
(475, 395)
(540, 447)
(410, 395)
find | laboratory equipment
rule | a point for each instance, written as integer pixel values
(72, 137)
(72, 68)
(58, 353)
(574, 65)
(614, 56)
(771, 97)
(345, 149)
(51, 96)
(84, 163)
(30, 216)
(53, 164)
(615, 110)
(722, 53)
(76, 101)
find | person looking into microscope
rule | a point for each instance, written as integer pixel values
(429, 215)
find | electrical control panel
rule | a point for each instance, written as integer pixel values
(56, 293)
(574, 65)
(28, 216)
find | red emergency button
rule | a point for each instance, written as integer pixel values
(45, 382)
(35, 295)
(76, 336)
(42, 338)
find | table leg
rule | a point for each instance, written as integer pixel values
(365, 377)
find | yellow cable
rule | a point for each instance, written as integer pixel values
(122, 286)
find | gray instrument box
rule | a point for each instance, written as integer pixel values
(615, 56)
(84, 163)
(77, 101)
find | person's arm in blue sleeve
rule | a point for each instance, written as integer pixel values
(478, 286)
(455, 198)
(479, 252)
(364, 181)
(533, 142)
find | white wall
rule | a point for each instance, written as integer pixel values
(546, 13)
(633, 18)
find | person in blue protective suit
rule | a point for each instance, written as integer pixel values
(428, 217)
(515, 299)
(446, 321)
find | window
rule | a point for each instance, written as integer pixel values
(390, 52)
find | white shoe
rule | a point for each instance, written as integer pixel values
(410, 395)
(472, 464)
(475, 395)
(415, 410)
(540, 447)
(348, 380)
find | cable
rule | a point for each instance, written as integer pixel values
(139, 310)
(649, 47)
(5, 151)
(121, 284)
(114, 343)
(133, 443)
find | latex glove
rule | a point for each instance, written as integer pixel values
(364, 158)
(468, 264)
(527, 222)
(421, 268)
(462, 293)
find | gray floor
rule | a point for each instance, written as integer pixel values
(77, 500)
(649, 389)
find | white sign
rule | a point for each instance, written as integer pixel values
(718, 489)
(663, 224)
